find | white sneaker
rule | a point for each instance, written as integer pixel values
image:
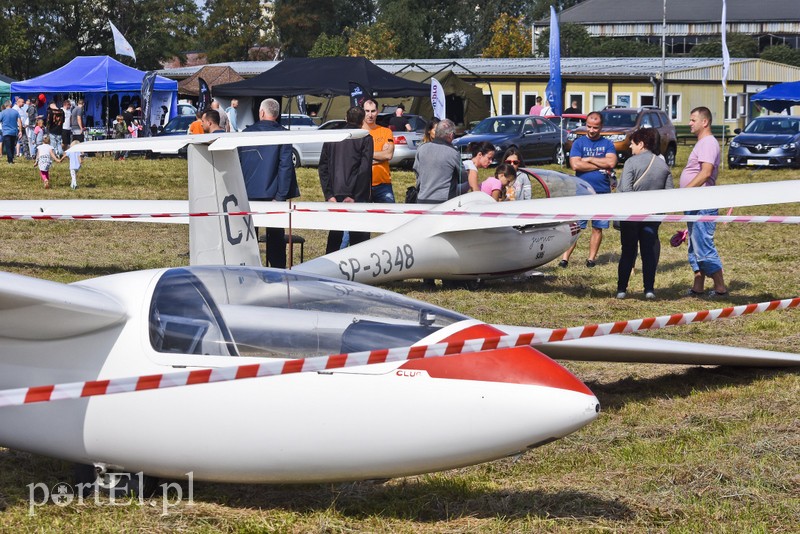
(621, 295)
(650, 295)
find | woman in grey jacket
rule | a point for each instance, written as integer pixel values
(644, 171)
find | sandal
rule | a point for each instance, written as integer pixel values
(692, 293)
(716, 294)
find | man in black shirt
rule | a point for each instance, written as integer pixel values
(399, 122)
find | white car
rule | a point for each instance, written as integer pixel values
(298, 122)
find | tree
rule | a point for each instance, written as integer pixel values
(423, 28)
(233, 27)
(616, 47)
(325, 46)
(376, 41)
(782, 54)
(739, 45)
(575, 41)
(510, 38)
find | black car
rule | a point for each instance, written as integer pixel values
(771, 141)
(538, 139)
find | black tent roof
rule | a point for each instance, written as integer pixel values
(323, 77)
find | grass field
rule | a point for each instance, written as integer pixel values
(676, 448)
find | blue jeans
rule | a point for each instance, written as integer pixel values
(10, 146)
(642, 235)
(703, 254)
(55, 142)
(383, 194)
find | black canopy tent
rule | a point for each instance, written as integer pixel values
(326, 76)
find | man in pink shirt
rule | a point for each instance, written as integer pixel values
(537, 109)
(701, 171)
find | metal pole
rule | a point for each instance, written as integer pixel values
(664, 58)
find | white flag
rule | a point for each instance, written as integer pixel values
(122, 46)
(437, 99)
(726, 57)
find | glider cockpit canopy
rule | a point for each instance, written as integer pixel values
(241, 311)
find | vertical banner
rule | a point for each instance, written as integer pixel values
(437, 99)
(357, 95)
(726, 57)
(301, 104)
(553, 90)
(148, 82)
(204, 100)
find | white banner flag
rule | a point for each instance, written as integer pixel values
(122, 46)
(726, 57)
(437, 99)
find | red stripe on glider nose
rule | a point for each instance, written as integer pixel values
(516, 365)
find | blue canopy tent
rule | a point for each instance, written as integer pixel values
(108, 87)
(778, 97)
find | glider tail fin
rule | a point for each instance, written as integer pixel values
(216, 184)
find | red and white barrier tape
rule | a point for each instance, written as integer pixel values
(91, 388)
(788, 219)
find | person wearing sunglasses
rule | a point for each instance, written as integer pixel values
(522, 184)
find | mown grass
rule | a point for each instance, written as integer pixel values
(676, 449)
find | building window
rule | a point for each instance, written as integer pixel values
(506, 103)
(623, 99)
(646, 100)
(528, 101)
(489, 103)
(731, 107)
(674, 107)
(574, 97)
(599, 101)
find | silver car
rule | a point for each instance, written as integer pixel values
(405, 146)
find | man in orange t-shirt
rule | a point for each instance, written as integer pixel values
(384, 150)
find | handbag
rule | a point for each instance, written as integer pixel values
(411, 195)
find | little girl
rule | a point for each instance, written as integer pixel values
(75, 160)
(38, 132)
(496, 187)
(45, 155)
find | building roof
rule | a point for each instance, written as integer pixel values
(687, 11)
(676, 68)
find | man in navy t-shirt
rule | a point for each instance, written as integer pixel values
(593, 158)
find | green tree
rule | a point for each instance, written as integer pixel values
(376, 41)
(739, 45)
(233, 27)
(327, 46)
(575, 41)
(510, 38)
(782, 54)
(423, 28)
(611, 47)
(299, 23)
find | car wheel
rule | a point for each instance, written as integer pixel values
(295, 158)
(558, 156)
(670, 156)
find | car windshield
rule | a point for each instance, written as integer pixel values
(774, 126)
(243, 311)
(618, 119)
(498, 125)
(297, 120)
(179, 124)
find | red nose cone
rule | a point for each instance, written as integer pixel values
(517, 365)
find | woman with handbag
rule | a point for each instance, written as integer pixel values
(644, 171)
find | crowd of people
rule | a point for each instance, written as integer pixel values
(357, 171)
(36, 130)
